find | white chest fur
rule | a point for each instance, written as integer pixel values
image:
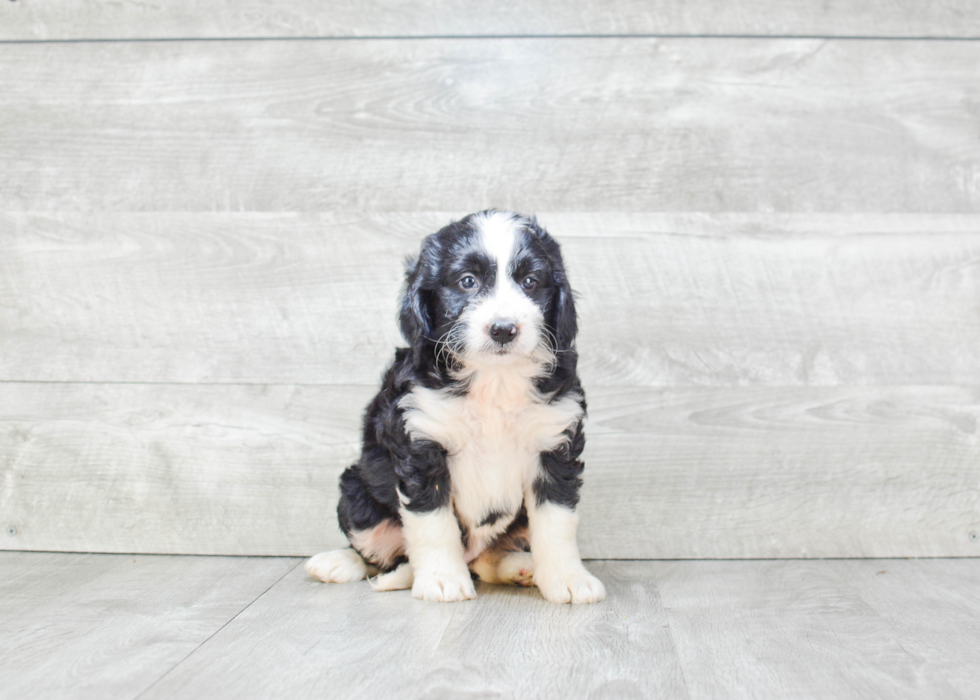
(494, 435)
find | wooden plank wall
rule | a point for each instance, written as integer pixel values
(775, 239)
(183, 19)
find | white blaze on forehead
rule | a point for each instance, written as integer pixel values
(500, 238)
(498, 231)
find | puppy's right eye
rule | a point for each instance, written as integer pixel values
(468, 282)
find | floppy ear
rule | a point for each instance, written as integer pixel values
(562, 318)
(416, 317)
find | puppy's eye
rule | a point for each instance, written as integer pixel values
(468, 282)
(528, 284)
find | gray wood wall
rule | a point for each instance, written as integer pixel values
(771, 211)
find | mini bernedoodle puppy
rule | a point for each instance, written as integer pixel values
(470, 459)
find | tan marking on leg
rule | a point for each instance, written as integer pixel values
(381, 544)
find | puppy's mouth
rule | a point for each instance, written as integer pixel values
(496, 350)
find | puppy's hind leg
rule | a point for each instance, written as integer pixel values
(374, 537)
(508, 568)
(398, 579)
(516, 569)
(339, 566)
(507, 561)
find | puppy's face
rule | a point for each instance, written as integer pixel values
(490, 289)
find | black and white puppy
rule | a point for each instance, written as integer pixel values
(471, 449)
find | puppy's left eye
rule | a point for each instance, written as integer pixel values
(528, 284)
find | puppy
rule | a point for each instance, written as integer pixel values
(471, 449)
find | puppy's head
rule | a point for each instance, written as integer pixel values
(489, 289)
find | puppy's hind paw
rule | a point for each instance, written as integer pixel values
(443, 588)
(517, 569)
(338, 566)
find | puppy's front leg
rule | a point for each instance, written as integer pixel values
(553, 522)
(433, 541)
(558, 570)
(435, 549)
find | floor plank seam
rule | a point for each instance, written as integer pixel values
(452, 616)
(97, 382)
(301, 558)
(492, 37)
(217, 631)
(673, 642)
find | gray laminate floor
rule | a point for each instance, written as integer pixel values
(123, 626)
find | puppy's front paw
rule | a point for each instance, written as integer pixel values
(572, 586)
(445, 588)
(339, 566)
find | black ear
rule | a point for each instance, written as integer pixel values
(561, 320)
(417, 315)
(564, 321)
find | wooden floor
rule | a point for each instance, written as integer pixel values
(124, 626)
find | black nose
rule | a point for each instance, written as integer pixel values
(503, 332)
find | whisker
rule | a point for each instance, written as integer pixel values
(549, 343)
(450, 345)
(553, 344)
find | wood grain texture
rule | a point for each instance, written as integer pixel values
(316, 640)
(868, 472)
(622, 648)
(664, 300)
(806, 629)
(308, 638)
(102, 626)
(927, 613)
(176, 469)
(104, 19)
(706, 125)
(679, 473)
(818, 629)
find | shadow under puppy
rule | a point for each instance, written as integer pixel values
(471, 448)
